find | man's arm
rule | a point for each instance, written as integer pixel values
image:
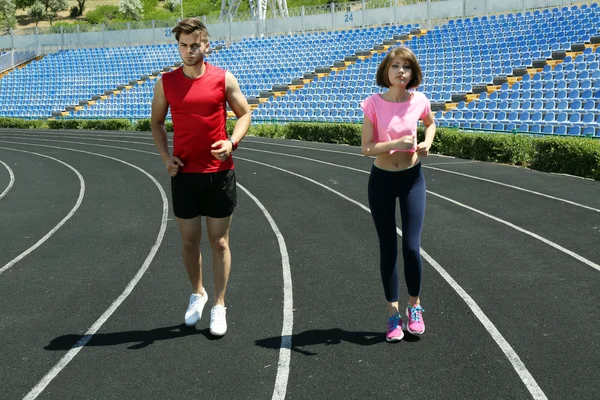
(239, 105)
(160, 108)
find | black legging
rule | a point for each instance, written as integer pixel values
(409, 186)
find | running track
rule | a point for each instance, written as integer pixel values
(92, 289)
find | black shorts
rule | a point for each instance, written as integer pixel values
(204, 194)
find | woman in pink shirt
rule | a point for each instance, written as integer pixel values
(390, 134)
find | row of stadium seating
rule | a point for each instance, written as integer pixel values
(535, 80)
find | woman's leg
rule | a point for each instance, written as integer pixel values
(412, 210)
(382, 202)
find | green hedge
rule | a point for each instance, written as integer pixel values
(336, 133)
(502, 148)
(64, 124)
(96, 124)
(21, 123)
(569, 155)
(92, 124)
(574, 157)
(143, 125)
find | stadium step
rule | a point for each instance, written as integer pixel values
(121, 88)
(23, 65)
(321, 72)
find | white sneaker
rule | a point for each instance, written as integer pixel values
(218, 323)
(194, 311)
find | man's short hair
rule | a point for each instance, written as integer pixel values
(189, 26)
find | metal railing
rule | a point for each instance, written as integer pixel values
(216, 19)
(19, 56)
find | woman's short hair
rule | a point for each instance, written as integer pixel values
(382, 77)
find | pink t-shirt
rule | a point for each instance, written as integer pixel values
(394, 120)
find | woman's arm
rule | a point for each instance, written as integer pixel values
(424, 146)
(370, 148)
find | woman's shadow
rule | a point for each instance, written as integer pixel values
(327, 337)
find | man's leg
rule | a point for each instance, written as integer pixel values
(218, 236)
(191, 233)
(221, 208)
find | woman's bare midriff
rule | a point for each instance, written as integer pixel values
(396, 161)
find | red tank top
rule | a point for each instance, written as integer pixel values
(199, 113)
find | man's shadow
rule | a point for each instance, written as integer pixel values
(138, 339)
(327, 337)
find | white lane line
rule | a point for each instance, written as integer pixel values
(287, 329)
(61, 223)
(518, 228)
(66, 359)
(429, 166)
(452, 162)
(522, 230)
(283, 366)
(24, 133)
(506, 348)
(100, 137)
(446, 171)
(12, 179)
(512, 356)
(514, 187)
(62, 137)
(357, 154)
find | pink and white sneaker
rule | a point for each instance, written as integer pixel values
(394, 331)
(415, 324)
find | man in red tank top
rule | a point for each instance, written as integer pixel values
(201, 167)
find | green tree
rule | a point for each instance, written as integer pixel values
(53, 7)
(172, 5)
(37, 12)
(81, 8)
(132, 9)
(8, 10)
(23, 4)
